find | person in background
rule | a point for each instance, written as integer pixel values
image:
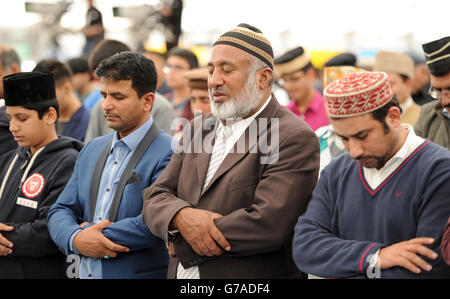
(434, 119)
(93, 31)
(171, 12)
(9, 64)
(82, 79)
(421, 81)
(342, 59)
(366, 218)
(198, 84)
(199, 100)
(179, 61)
(278, 90)
(98, 215)
(32, 178)
(159, 60)
(298, 74)
(73, 117)
(400, 70)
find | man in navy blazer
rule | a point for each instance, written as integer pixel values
(99, 214)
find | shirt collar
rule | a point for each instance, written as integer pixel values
(134, 138)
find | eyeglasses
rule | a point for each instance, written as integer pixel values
(176, 68)
(437, 93)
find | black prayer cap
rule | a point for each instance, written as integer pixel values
(29, 89)
(437, 54)
(292, 61)
(343, 59)
(249, 39)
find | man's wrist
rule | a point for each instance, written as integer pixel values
(72, 241)
(173, 225)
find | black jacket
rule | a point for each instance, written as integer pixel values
(25, 205)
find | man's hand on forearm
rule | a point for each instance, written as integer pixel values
(406, 254)
(92, 243)
(198, 229)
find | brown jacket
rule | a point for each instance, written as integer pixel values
(411, 115)
(260, 202)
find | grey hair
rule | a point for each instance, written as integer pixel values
(8, 57)
(257, 64)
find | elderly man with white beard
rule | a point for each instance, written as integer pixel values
(228, 201)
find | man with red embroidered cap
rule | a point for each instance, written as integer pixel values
(298, 74)
(32, 177)
(380, 210)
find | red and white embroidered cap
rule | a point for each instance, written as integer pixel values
(357, 94)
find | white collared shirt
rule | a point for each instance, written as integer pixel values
(375, 177)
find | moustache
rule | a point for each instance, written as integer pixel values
(106, 115)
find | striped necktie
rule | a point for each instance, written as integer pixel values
(218, 155)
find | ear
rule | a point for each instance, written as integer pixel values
(51, 116)
(311, 74)
(148, 100)
(393, 117)
(263, 78)
(67, 87)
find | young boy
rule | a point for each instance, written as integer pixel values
(32, 177)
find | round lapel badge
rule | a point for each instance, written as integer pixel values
(33, 185)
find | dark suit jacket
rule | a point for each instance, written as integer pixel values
(260, 202)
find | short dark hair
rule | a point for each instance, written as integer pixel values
(381, 113)
(307, 67)
(61, 71)
(105, 49)
(186, 54)
(79, 65)
(130, 66)
(43, 107)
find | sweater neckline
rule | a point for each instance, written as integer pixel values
(374, 191)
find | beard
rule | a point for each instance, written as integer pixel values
(372, 161)
(240, 106)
